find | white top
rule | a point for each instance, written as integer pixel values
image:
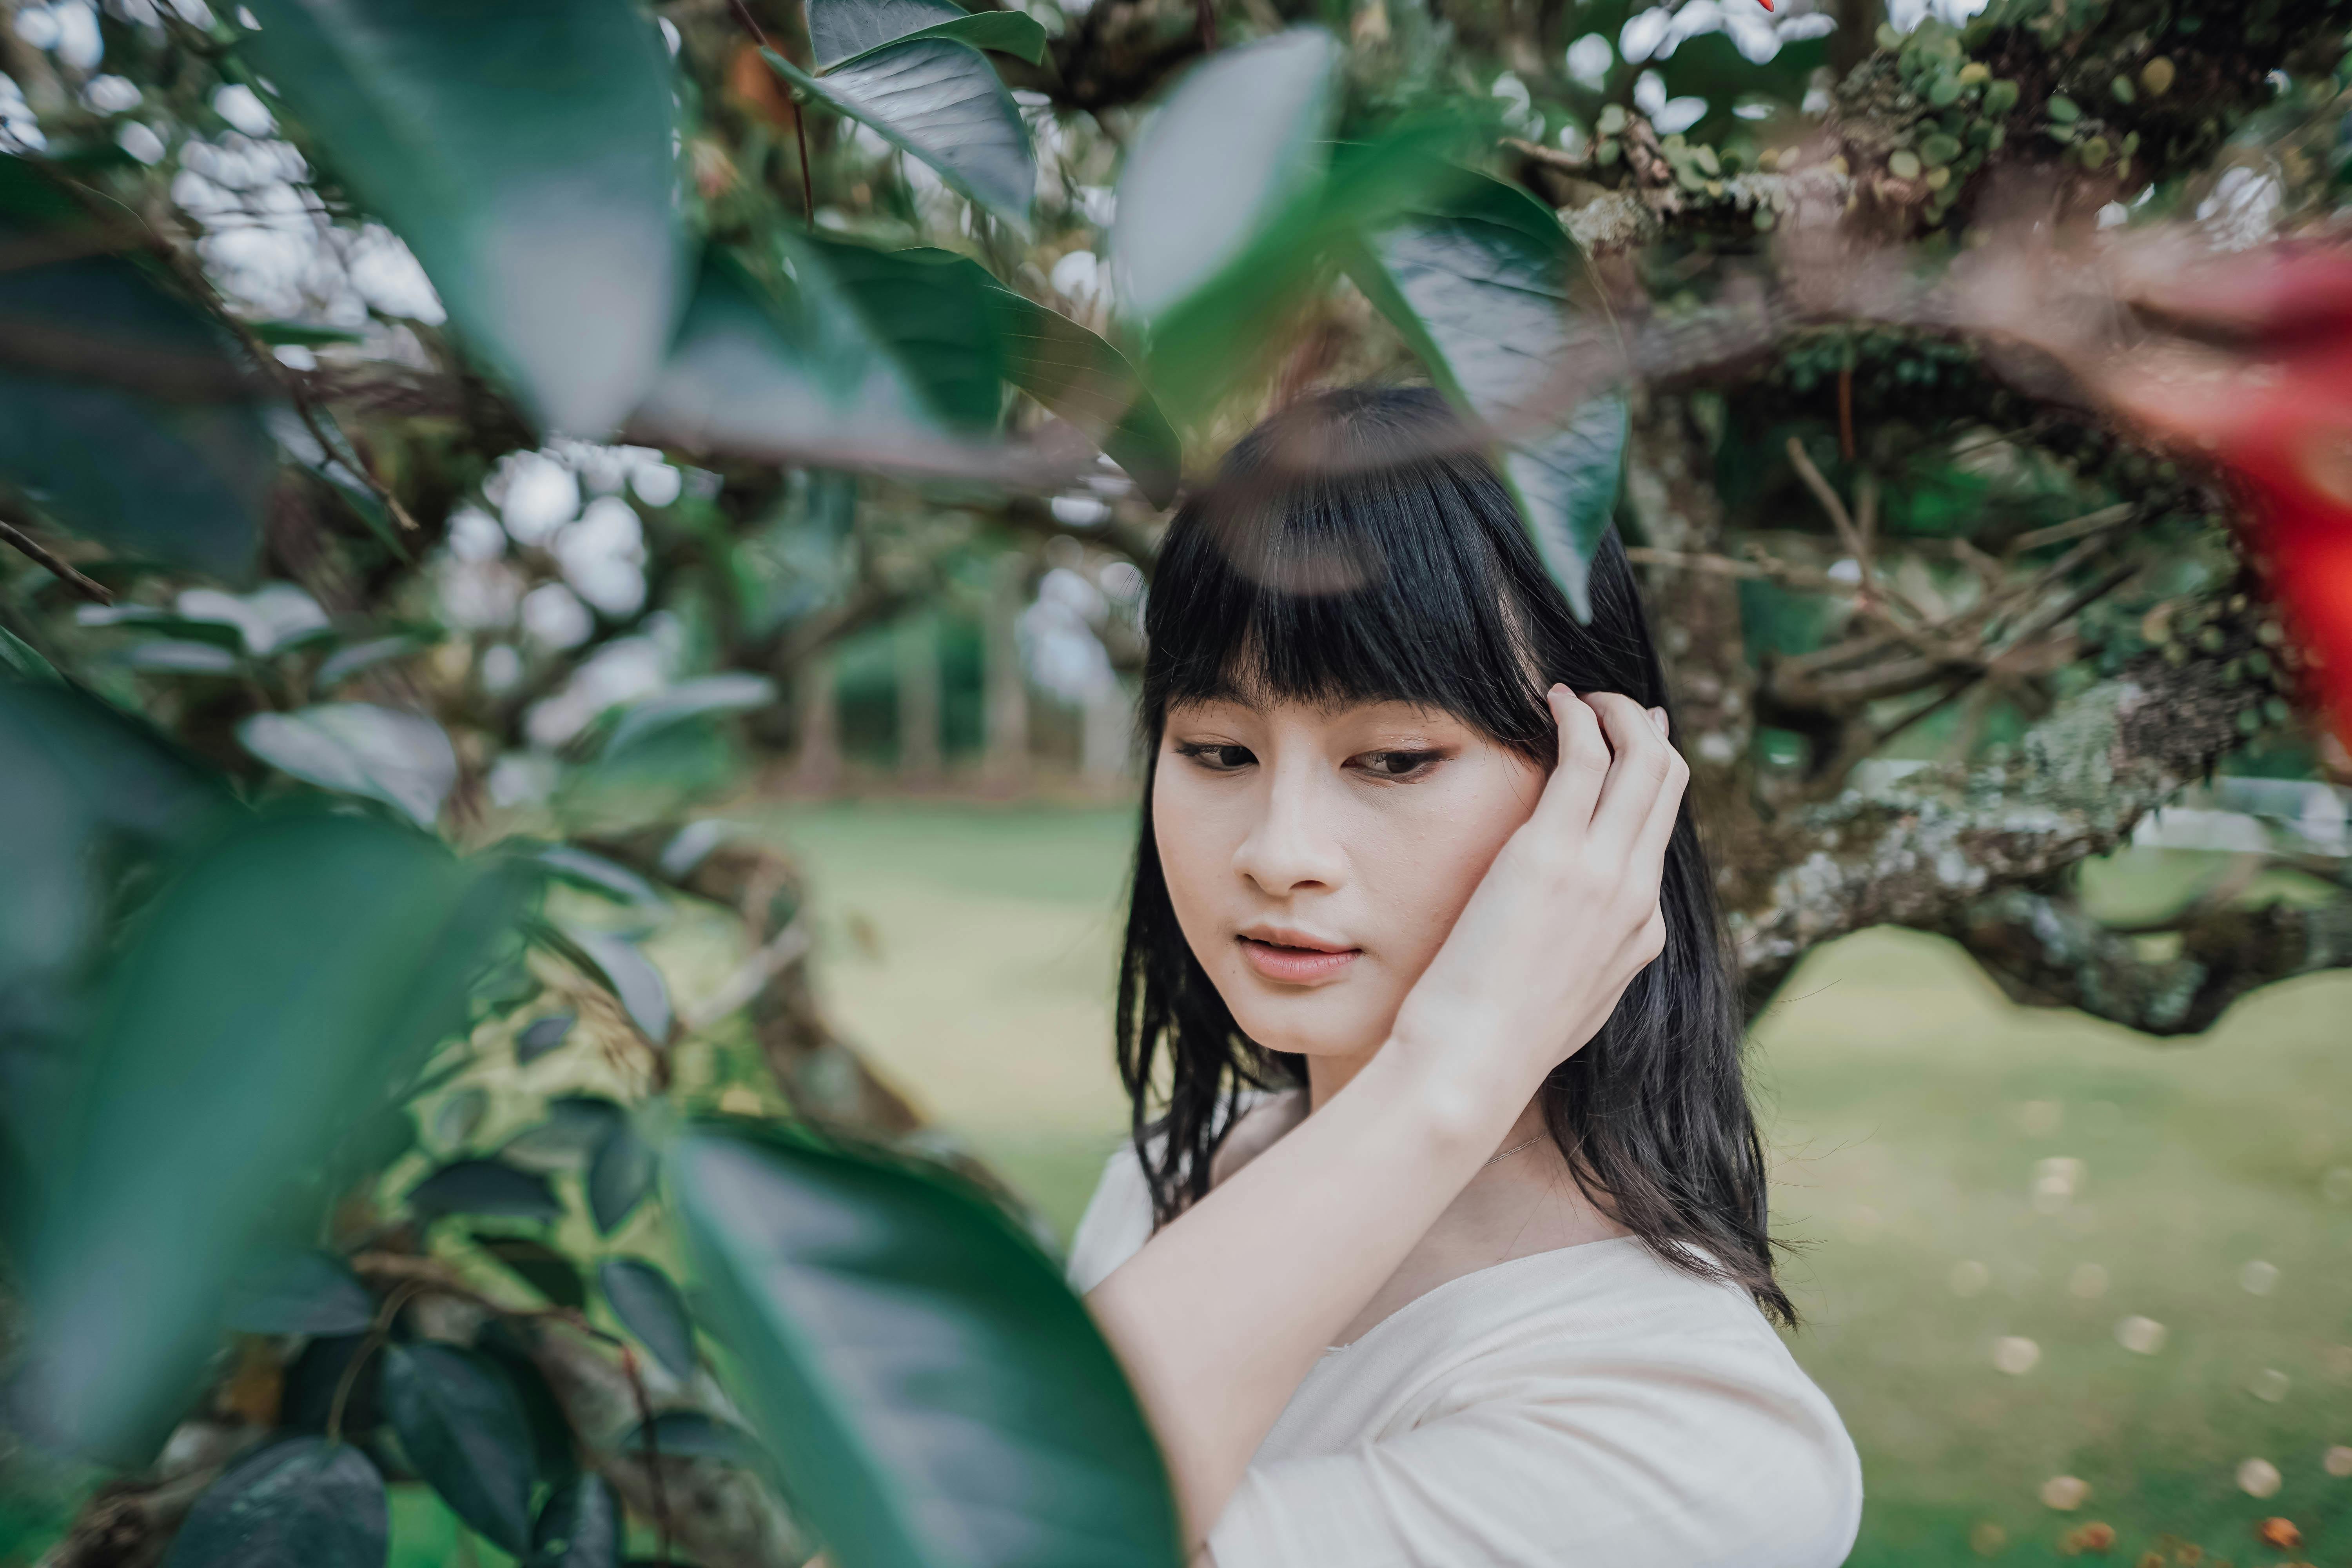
(1588, 1407)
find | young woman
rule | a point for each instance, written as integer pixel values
(1448, 1249)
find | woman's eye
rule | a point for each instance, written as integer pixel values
(1216, 758)
(1396, 764)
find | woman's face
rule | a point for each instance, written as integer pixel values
(1317, 857)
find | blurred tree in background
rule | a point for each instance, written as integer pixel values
(498, 429)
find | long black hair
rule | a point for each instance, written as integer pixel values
(1390, 565)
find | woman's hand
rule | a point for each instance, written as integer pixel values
(1568, 913)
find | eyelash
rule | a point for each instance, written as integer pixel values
(1217, 757)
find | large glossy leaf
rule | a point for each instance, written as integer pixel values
(462, 1427)
(485, 1187)
(405, 760)
(932, 1391)
(790, 374)
(1198, 346)
(933, 317)
(301, 1503)
(650, 1306)
(1240, 140)
(301, 1293)
(126, 412)
(268, 996)
(1477, 281)
(578, 1526)
(841, 30)
(1074, 372)
(524, 150)
(575, 1128)
(939, 101)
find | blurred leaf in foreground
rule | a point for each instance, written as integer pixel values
(932, 1391)
(305, 1502)
(265, 1000)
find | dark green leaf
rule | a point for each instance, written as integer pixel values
(126, 412)
(988, 1423)
(301, 1503)
(315, 1375)
(577, 1126)
(163, 624)
(631, 976)
(735, 692)
(270, 990)
(1199, 346)
(1240, 141)
(1477, 280)
(1711, 66)
(402, 759)
(485, 1186)
(456, 1118)
(691, 1434)
(933, 317)
(941, 101)
(791, 376)
(361, 657)
(841, 30)
(539, 1266)
(301, 1293)
(554, 1450)
(461, 1426)
(1078, 375)
(541, 1036)
(578, 1526)
(650, 1307)
(20, 658)
(168, 655)
(620, 1177)
(524, 152)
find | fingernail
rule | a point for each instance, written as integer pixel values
(1658, 717)
(1560, 689)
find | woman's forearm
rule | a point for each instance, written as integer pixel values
(1221, 1313)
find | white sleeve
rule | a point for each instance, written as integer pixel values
(1689, 1455)
(1116, 1223)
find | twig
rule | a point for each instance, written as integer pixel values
(652, 1450)
(376, 1334)
(2098, 522)
(749, 979)
(1845, 414)
(96, 593)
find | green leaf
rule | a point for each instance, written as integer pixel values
(268, 994)
(650, 1306)
(18, 657)
(524, 152)
(1198, 346)
(577, 1126)
(301, 1503)
(402, 759)
(578, 1526)
(302, 334)
(583, 869)
(631, 976)
(691, 1434)
(989, 1425)
(620, 1177)
(168, 655)
(457, 1118)
(486, 1187)
(555, 1452)
(933, 317)
(362, 657)
(126, 412)
(842, 30)
(939, 101)
(541, 1036)
(1477, 281)
(791, 376)
(1242, 139)
(301, 1293)
(539, 1266)
(711, 694)
(461, 1426)
(1078, 375)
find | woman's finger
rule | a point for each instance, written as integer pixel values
(1576, 783)
(1642, 765)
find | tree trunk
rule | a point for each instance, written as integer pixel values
(1006, 765)
(817, 770)
(918, 702)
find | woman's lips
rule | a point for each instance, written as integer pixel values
(1295, 965)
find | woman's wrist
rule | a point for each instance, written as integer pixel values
(1458, 1083)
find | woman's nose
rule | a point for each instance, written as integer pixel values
(1292, 845)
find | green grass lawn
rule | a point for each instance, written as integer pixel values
(1958, 1179)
